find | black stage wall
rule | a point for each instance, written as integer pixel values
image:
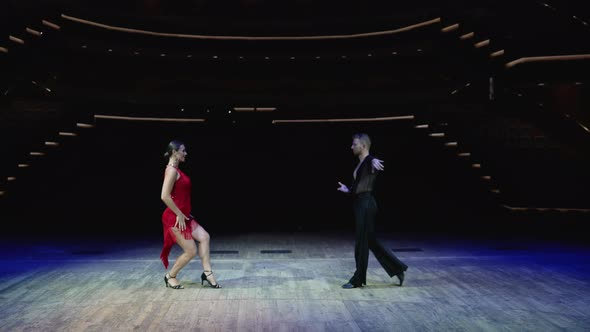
(246, 177)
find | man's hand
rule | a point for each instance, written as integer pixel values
(377, 164)
(343, 188)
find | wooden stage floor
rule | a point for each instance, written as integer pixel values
(452, 284)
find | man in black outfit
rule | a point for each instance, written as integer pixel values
(365, 209)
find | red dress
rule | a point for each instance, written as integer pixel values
(181, 195)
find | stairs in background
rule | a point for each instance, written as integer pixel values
(514, 160)
(35, 132)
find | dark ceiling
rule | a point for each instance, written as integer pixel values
(87, 62)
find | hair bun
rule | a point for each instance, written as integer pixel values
(173, 146)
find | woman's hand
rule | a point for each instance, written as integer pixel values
(180, 222)
(343, 188)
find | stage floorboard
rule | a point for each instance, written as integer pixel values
(453, 283)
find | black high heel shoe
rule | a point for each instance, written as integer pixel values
(204, 278)
(401, 276)
(168, 277)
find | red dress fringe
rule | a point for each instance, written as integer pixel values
(181, 195)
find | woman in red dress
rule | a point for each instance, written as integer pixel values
(179, 225)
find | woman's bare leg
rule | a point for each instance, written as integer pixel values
(190, 251)
(201, 235)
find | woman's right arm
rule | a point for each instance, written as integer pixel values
(166, 196)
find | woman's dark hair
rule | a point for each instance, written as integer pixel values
(172, 146)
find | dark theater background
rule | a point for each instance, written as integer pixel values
(479, 109)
